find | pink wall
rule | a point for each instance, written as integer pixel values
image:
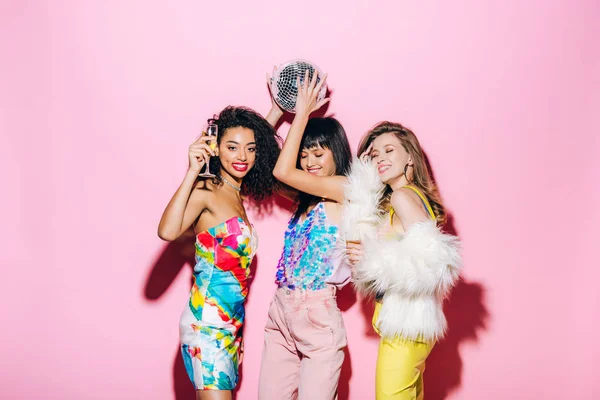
(99, 101)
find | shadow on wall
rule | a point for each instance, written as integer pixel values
(178, 255)
(467, 317)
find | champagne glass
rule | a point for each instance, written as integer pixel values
(211, 129)
(353, 237)
(354, 241)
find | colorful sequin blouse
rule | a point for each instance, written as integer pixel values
(308, 252)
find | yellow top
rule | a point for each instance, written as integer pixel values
(423, 199)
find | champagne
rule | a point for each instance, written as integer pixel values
(210, 129)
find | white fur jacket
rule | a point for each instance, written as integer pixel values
(414, 272)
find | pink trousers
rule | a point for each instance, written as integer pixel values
(304, 346)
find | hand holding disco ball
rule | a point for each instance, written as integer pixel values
(287, 79)
(308, 99)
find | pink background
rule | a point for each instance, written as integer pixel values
(99, 101)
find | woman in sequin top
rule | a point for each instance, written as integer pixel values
(305, 335)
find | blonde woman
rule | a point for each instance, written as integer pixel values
(405, 261)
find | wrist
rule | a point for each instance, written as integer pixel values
(192, 172)
(301, 117)
(275, 111)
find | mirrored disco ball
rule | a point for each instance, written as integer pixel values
(283, 85)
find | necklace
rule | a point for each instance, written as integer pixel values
(238, 188)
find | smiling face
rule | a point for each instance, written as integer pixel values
(390, 157)
(237, 151)
(318, 161)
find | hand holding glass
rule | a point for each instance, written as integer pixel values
(211, 130)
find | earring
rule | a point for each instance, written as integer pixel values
(405, 172)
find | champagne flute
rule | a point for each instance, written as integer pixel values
(356, 241)
(352, 238)
(211, 130)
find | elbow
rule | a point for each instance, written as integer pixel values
(279, 174)
(166, 235)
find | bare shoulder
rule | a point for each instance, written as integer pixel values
(405, 198)
(408, 205)
(332, 207)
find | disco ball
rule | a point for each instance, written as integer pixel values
(283, 82)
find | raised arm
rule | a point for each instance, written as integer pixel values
(275, 113)
(191, 198)
(329, 187)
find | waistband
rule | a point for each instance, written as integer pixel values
(286, 293)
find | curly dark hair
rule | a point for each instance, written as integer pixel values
(259, 183)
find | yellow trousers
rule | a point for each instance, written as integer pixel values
(400, 367)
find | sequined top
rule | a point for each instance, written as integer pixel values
(308, 252)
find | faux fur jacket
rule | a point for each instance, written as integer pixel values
(415, 271)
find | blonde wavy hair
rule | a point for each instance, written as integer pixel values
(418, 176)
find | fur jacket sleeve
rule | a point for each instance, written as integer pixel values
(361, 216)
(424, 261)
